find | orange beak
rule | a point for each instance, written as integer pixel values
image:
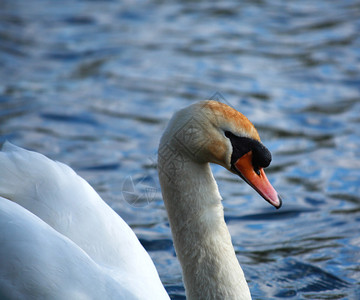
(258, 182)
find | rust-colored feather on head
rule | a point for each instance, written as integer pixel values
(228, 117)
(213, 132)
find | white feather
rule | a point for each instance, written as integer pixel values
(77, 228)
(59, 240)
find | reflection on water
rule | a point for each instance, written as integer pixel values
(92, 83)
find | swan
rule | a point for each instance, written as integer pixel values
(203, 133)
(60, 240)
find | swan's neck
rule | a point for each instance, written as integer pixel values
(201, 238)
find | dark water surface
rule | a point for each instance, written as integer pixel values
(93, 83)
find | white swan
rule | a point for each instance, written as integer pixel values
(205, 132)
(59, 240)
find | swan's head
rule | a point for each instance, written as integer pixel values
(210, 131)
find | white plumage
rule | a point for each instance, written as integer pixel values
(60, 240)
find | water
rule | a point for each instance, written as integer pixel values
(93, 83)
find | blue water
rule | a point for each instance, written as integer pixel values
(93, 83)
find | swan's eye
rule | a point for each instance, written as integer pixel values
(240, 145)
(228, 134)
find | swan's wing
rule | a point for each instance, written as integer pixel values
(36, 262)
(57, 195)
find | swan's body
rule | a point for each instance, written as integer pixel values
(60, 231)
(59, 240)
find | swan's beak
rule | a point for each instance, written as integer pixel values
(258, 182)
